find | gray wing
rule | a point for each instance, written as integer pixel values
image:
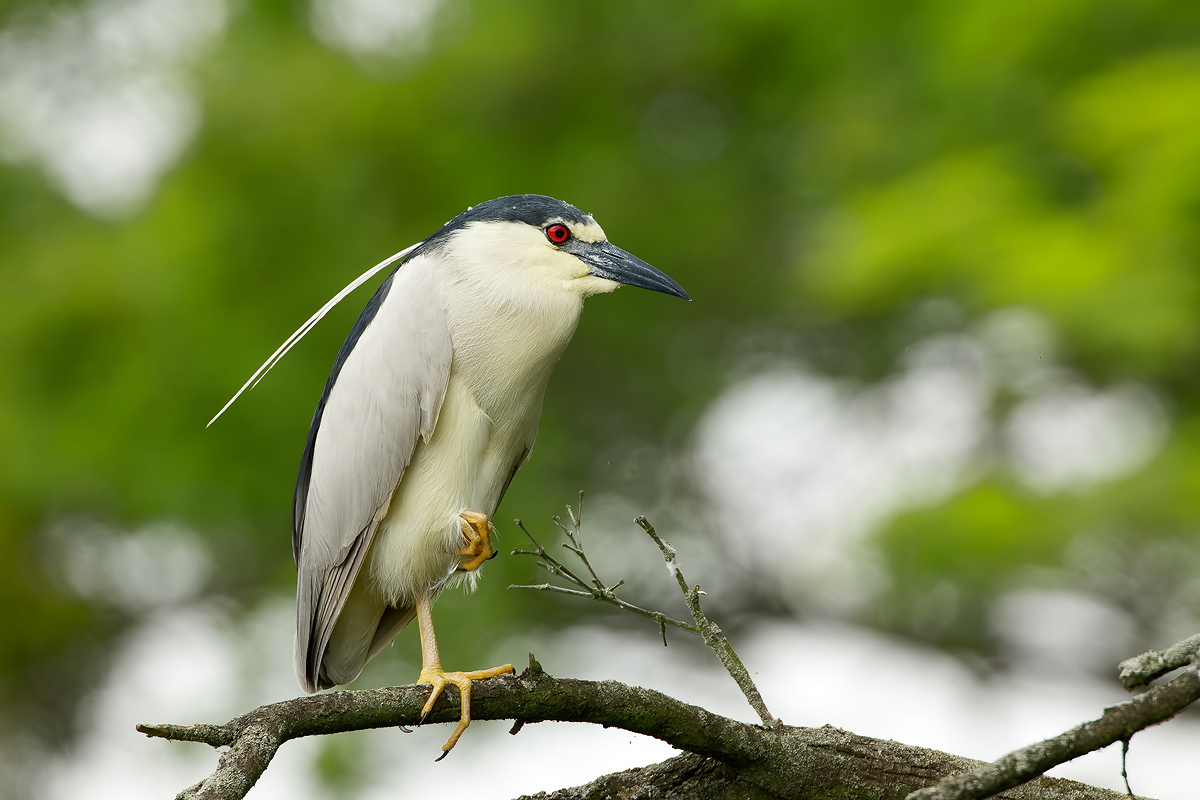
(385, 390)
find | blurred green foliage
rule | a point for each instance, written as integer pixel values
(841, 162)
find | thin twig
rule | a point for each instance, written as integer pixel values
(1124, 771)
(547, 561)
(594, 594)
(596, 589)
(712, 634)
(575, 534)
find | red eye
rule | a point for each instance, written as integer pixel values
(558, 233)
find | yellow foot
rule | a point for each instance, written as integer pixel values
(477, 530)
(462, 680)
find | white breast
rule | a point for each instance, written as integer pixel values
(505, 345)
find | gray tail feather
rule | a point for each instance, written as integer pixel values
(319, 603)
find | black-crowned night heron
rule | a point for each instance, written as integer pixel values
(431, 407)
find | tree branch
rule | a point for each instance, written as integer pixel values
(783, 762)
(1140, 670)
(1118, 723)
(726, 757)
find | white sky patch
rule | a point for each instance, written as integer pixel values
(1065, 435)
(97, 96)
(1022, 346)
(1062, 629)
(377, 28)
(160, 564)
(176, 666)
(1069, 436)
(193, 663)
(800, 467)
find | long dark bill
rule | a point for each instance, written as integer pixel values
(606, 260)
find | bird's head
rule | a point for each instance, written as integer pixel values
(545, 242)
(512, 245)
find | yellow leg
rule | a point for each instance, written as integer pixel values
(431, 672)
(477, 530)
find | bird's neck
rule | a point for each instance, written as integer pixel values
(507, 340)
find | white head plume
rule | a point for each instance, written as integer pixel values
(309, 325)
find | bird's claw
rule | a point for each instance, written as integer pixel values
(477, 530)
(438, 679)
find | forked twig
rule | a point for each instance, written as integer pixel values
(597, 589)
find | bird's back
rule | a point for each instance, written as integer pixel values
(383, 396)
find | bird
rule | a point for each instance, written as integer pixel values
(430, 408)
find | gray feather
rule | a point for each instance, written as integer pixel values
(379, 402)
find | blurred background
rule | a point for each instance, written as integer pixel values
(928, 434)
